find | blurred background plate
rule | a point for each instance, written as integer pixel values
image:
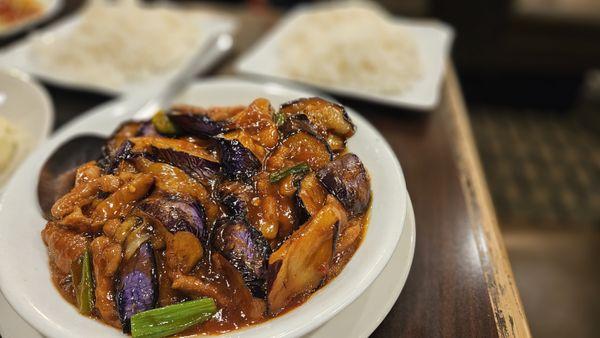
(25, 105)
(21, 55)
(433, 41)
(48, 9)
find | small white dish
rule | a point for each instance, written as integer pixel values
(433, 40)
(20, 55)
(50, 8)
(25, 282)
(25, 104)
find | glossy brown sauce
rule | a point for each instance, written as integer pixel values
(225, 320)
(271, 209)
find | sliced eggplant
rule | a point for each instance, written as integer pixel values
(347, 180)
(238, 162)
(136, 285)
(111, 163)
(294, 123)
(195, 123)
(193, 159)
(256, 121)
(235, 196)
(197, 167)
(301, 263)
(329, 119)
(177, 214)
(297, 148)
(147, 129)
(125, 131)
(246, 249)
(309, 198)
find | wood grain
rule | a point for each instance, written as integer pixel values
(504, 295)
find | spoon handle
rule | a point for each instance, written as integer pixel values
(149, 100)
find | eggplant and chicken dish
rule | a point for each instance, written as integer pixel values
(205, 220)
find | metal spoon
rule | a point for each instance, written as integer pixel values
(57, 175)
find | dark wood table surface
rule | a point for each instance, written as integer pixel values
(460, 283)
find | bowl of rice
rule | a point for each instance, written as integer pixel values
(26, 119)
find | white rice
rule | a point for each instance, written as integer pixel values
(355, 47)
(117, 43)
(12, 143)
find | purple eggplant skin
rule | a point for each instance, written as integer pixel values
(246, 249)
(136, 285)
(147, 129)
(204, 170)
(113, 152)
(302, 214)
(177, 214)
(347, 180)
(295, 123)
(196, 124)
(234, 205)
(237, 161)
(299, 106)
(235, 196)
(111, 163)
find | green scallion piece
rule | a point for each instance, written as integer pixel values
(279, 119)
(172, 319)
(281, 174)
(81, 272)
(163, 124)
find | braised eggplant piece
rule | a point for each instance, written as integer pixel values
(191, 158)
(235, 197)
(246, 249)
(137, 285)
(177, 214)
(301, 263)
(256, 121)
(297, 148)
(309, 197)
(295, 123)
(329, 119)
(237, 161)
(125, 131)
(147, 129)
(347, 179)
(111, 162)
(196, 123)
(197, 167)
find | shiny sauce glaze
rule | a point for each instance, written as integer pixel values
(253, 207)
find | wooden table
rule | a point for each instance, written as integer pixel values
(460, 283)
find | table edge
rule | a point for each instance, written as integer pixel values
(505, 300)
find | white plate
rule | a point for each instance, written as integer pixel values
(433, 40)
(19, 55)
(25, 104)
(23, 280)
(358, 319)
(50, 7)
